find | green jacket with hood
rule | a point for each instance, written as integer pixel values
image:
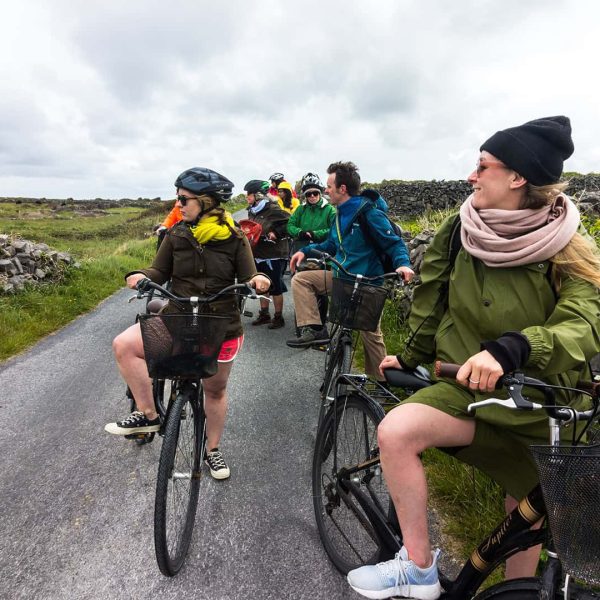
(484, 302)
(318, 218)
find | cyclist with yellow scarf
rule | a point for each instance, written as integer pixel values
(200, 255)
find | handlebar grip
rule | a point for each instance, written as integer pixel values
(591, 387)
(443, 369)
(142, 284)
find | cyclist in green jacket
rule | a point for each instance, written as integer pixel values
(310, 222)
(522, 294)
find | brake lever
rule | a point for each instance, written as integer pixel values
(516, 400)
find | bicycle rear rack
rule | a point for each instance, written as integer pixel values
(369, 389)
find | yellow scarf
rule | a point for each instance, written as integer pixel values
(209, 228)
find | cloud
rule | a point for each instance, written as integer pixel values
(114, 99)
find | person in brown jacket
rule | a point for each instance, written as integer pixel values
(200, 255)
(271, 252)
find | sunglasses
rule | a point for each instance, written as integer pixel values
(482, 165)
(183, 199)
(311, 194)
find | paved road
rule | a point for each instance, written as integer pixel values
(77, 503)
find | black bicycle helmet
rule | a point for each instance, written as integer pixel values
(277, 178)
(200, 180)
(311, 181)
(257, 185)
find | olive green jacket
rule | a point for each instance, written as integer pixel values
(203, 269)
(484, 302)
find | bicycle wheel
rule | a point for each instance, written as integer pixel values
(529, 589)
(347, 437)
(339, 360)
(178, 480)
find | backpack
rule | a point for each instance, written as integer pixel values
(252, 229)
(363, 221)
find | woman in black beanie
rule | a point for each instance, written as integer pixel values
(522, 294)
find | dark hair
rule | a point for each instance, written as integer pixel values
(346, 173)
(287, 200)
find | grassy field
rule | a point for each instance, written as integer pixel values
(106, 244)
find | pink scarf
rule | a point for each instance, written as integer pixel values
(510, 238)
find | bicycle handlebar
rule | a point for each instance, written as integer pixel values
(324, 257)
(144, 286)
(514, 383)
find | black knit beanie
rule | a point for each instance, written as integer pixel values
(536, 150)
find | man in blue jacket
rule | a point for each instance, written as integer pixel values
(355, 251)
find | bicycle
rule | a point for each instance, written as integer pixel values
(356, 305)
(180, 350)
(357, 522)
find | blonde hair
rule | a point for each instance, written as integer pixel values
(580, 258)
(204, 200)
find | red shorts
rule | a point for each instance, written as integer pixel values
(230, 349)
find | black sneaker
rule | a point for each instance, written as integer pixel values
(217, 465)
(136, 422)
(309, 337)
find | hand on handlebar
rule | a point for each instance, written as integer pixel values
(260, 283)
(480, 372)
(295, 260)
(134, 279)
(406, 273)
(389, 362)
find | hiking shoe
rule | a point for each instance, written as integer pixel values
(397, 577)
(136, 422)
(262, 318)
(277, 322)
(308, 337)
(217, 465)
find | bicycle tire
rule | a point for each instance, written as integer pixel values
(348, 433)
(178, 481)
(529, 589)
(339, 360)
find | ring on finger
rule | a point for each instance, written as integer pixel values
(473, 380)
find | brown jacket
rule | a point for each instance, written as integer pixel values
(197, 270)
(273, 219)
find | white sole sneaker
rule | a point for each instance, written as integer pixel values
(116, 430)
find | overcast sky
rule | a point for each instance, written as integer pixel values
(107, 98)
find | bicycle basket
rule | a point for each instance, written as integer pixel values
(182, 346)
(570, 480)
(357, 307)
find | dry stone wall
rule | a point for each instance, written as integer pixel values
(408, 199)
(22, 262)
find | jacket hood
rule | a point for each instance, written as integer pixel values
(375, 197)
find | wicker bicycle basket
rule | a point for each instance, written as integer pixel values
(570, 480)
(182, 346)
(356, 307)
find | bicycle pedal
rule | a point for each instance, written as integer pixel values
(320, 347)
(136, 436)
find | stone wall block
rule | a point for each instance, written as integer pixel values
(17, 263)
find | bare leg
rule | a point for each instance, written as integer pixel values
(215, 404)
(278, 303)
(403, 434)
(129, 353)
(524, 563)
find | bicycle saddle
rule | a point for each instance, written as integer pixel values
(402, 378)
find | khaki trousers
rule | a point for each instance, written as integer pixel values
(306, 286)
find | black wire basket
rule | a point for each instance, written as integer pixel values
(182, 346)
(570, 480)
(356, 307)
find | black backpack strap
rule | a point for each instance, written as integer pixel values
(455, 242)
